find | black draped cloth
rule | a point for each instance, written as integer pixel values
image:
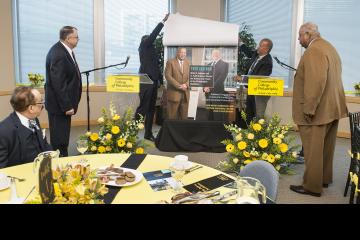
(192, 136)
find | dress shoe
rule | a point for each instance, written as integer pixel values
(150, 138)
(300, 189)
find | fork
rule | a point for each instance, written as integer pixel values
(19, 179)
(193, 169)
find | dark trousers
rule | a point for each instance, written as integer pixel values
(60, 126)
(148, 95)
(250, 108)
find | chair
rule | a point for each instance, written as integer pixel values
(355, 148)
(266, 174)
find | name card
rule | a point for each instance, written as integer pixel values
(125, 84)
(266, 87)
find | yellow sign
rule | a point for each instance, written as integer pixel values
(266, 87)
(125, 84)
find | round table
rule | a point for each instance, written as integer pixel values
(141, 193)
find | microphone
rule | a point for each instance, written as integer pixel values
(127, 61)
(277, 60)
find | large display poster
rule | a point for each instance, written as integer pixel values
(216, 98)
(212, 49)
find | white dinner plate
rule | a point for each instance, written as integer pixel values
(138, 177)
(4, 182)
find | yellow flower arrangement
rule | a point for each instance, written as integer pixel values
(117, 134)
(266, 140)
(76, 184)
(36, 80)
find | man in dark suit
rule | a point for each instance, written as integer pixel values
(261, 64)
(63, 88)
(21, 138)
(149, 64)
(221, 71)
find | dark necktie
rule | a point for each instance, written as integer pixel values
(76, 65)
(33, 125)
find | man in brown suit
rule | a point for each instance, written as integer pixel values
(177, 75)
(318, 104)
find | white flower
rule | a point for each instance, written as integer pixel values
(277, 157)
(294, 154)
(235, 160)
(261, 121)
(141, 126)
(101, 120)
(281, 136)
(129, 145)
(239, 137)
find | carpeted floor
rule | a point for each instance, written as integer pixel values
(332, 195)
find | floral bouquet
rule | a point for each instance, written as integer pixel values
(268, 141)
(76, 185)
(117, 134)
(36, 79)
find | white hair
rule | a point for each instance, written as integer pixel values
(311, 28)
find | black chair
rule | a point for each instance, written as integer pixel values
(355, 148)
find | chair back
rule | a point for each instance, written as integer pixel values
(355, 131)
(266, 174)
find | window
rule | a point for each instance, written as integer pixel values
(338, 21)
(37, 26)
(126, 21)
(267, 19)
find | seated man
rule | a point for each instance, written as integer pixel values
(21, 138)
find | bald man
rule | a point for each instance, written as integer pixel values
(318, 105)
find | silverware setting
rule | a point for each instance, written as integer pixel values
(19, 179)
(193, 169)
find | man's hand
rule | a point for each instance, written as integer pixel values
(166, 17)
(206, 90)
(183, 87)
(238, 78)
(70, 113)
(308, 118)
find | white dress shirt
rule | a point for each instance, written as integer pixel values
(24, 120)
(69, 50)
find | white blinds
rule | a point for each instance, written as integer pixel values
(38, 26)
(339, 21)
(126, 21)
(268, 19)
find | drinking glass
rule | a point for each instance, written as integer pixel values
(177, 172)
(82, 146)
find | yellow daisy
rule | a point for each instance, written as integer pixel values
(242, 145)
(94, 137)
(121, 143)
(116, 117)
(283, 147)
(271, 158)
(248, 162)
(257, 127)
(246, 154)
(230, 148)
(263, 143)
(115, 130)
(101, 149)
(277, 141)
(140, 150)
